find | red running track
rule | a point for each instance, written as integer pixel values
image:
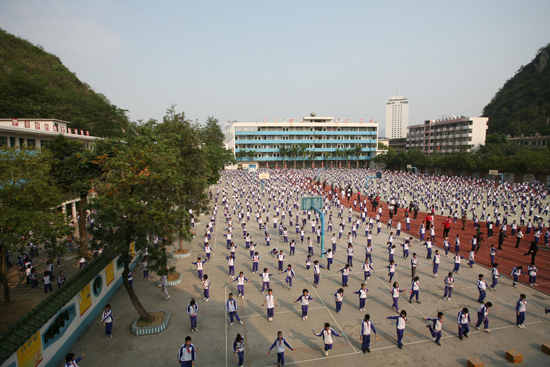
(508, 258)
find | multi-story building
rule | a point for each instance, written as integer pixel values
(448, 135)
(36, 132)
(397, 117)
(398, 144)
(311, 141)
(532, 141)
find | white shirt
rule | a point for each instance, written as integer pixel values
(415, 286)
(265, 277)
(270, 301)
(437, 259)
(366, 327)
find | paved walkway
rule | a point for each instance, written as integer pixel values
(214, 339)
(23, 297)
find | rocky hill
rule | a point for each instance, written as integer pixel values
(35, 84)
(522, 105)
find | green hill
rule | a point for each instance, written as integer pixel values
(522, 105)
(35, 84)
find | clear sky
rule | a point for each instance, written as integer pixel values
(249, 60)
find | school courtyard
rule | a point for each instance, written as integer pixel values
(215, 335)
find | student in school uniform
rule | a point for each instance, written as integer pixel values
(400, 323)
(362, 292)
(516, 272)
(481, 287)
(238, 349)
(289, 275)
(187, 354)
(414, 265)
(415, 289)
(61, 279)
(329, 257)
(240, 283)
(309, 246)
(395, 295)
(279, 345)
(435, 327)
(446, 246)
(483, 317)
(367, 267)
(71, 361)
(231, 309)
(107, 320)
(192, 310)
(305, 298)
(47, 282)
(449, 283)
(145, 267)
(255, 262)
(463, 320)
(265, 280)
(205, 287)
(368, 252)
(367, 328)
(457, 259)
(308, 262)
(436, 260)
(350, 254)
(317, 273)
(391, 271)
(271, 304)
(339, 298)
(471, 259)
(492, 253)
(345, 274)
(327, 335)
(521, 308)
(532, 272)
(199, 263)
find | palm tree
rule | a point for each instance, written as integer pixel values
(251, 154)
(304, 153)
(337, 154)
(327, 156)
(284, 152)
(348, 153)
(358, 151)
(241, 154)
(294, 152)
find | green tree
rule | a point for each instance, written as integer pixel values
(284, 152)
(295, 152)
(337, 154)
(358, 151)
(304, 152)
(348, 153)
(28, 198)
(382, 146)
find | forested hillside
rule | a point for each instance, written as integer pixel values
(35, 84)
(522, 105)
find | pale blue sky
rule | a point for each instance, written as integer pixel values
(249, 60)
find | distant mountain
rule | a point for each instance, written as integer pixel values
(522, 105)
(35, 84)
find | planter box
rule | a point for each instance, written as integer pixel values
(181, 256)
(136, 330)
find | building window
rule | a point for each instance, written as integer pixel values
(59, 325)
(31, 143)
(12, 141)
(3, 141)
(98, 284)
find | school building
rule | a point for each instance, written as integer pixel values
(36, 132)
(447, 135)
(310, 141)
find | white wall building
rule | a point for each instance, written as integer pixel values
(448, 135)
(323, 136)
(397, 117)
(36, 132)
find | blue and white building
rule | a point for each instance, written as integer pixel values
(321, 136)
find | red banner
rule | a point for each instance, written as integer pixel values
(37, 125)
(15, 122)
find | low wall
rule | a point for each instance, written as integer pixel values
(53, 327)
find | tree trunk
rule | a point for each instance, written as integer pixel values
(82, 233)
(357, 161)
(143, 314)
(294, 162)
(181, 244)
(4, 278)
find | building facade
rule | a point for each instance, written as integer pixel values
(397, 117)
(448, 135)
(37, 132)
(398, 144)
(311, 142)
(532, 141)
